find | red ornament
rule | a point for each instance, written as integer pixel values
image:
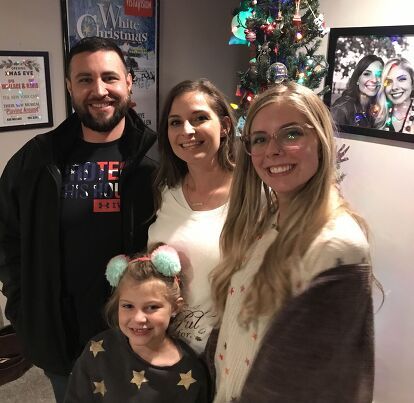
(250, 35)
(269, 29)
(297, 20)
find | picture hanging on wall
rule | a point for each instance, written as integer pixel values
(25, 97)
(133, 25)
(371, 76)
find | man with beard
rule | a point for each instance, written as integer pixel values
(70, 200)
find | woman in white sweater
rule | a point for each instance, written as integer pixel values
(293, 289)
(196, 140)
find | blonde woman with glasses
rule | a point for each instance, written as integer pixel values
(293, 289)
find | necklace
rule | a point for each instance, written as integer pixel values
(199, 203)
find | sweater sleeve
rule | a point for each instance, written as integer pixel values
(319, 348)
(79, 387)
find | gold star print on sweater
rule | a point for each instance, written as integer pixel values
(186, 380)
(138, 378)
(100, 388)
(96, 347)
(109, 371)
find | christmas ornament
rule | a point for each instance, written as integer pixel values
(238, 23)
(268, 28)
(252, 72)
(277, 73)
(297, 20)
(250, 35)
(264, 51)
(320, 23)
(279, 20)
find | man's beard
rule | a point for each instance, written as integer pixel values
(103, 125)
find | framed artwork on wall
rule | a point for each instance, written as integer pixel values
(25, 96)
(371, 76)
(133, 25)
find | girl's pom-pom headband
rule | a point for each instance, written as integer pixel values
(164, 258)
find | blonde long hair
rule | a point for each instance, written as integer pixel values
(383, 113)
(308, 212)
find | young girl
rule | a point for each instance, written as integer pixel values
(135, 360)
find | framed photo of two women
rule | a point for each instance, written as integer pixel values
(133, 25)
(371, 76)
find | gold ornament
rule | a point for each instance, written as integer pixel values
(138, 378)
(186, 380)
(96, 347)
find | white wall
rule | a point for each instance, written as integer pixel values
(194, 43)
(379, 184)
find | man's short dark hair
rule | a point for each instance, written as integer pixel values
(93, 44)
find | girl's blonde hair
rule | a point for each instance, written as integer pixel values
(140, 271)
(308, 211)
(383, 103)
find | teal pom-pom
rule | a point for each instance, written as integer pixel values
(166, 260)
(115, 268)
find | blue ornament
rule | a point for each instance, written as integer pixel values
(277, 73)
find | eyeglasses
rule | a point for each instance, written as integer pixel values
(288, 138)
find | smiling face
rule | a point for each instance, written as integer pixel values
(144, 313)
(100, 90)
(369, 80)
(194, 129)
(398, 85)
(285, 171)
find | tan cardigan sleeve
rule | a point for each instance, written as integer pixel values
(320, 347)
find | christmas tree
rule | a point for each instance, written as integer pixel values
(283, 37)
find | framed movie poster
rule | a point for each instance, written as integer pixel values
(371, 76)
(25, 97)
(133, 24)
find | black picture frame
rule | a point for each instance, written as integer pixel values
(346, 47)
(136, 33)
(25, 94)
